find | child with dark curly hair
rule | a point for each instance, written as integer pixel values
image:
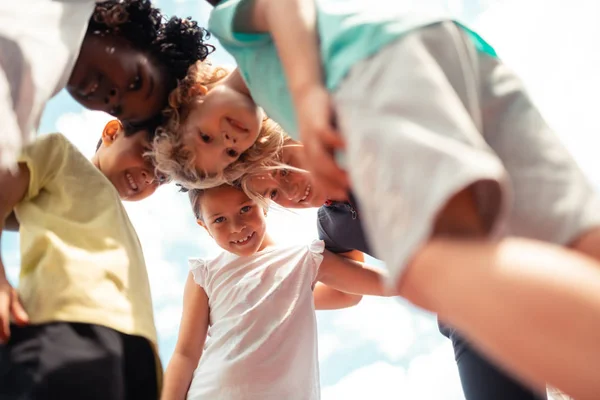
(124, 59)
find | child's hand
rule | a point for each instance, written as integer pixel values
(318, 133)
(10, 305)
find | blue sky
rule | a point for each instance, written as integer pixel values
(382, 348)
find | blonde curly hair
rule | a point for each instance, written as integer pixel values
(177, 161)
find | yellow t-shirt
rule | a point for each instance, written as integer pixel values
(81, 260)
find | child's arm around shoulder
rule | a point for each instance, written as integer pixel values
(190, 342)
(350, 276)
(327, 298)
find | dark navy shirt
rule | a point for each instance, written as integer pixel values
(340, 228)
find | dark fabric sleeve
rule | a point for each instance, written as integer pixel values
(325, 223)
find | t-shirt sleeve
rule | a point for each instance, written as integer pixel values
(45, 158)
(324, 224)
(315, 250)
(199, 269)
(222, 20)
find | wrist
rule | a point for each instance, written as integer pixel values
(301, 91)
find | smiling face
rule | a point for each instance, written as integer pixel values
(288, 188)
(111, 75)
(237, 224)
(121, 159)
(220, 125)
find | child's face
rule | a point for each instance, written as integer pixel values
(221, 125)
(121, 159)
(289, 189)
(111, 75)
(237, 224)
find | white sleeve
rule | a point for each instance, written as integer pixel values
(316, 249)
(199, 269)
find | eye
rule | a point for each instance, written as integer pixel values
(219, 220)
(161, 178)
(232, 153)
(284, 172)
(205, 138)
(245, 209)
(273, 194)
(136, 84)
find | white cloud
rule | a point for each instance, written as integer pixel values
(381, 381)
(432, 376)
(383, 322)
(83, 129)
(555, 56)
(329, 343)
(292, 226)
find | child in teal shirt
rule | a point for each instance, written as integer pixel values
(440, 139)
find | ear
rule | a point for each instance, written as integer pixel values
(110, 132)
(198, 90)
(202, 224)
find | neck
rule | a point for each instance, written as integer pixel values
(266, 242)
(96, 161)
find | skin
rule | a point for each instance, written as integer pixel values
(112, 75)
(117, 157)
(229, 215)
(234, 221)
(121, 159)
(222, 123)
(287, 187)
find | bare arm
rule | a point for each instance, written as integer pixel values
(327, 298)
(350, 276)
(289, 21)
(14, 187)
(192, 335)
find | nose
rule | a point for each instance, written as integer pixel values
(229, 138)
(112, 100)
(147, 177)
(238, 225)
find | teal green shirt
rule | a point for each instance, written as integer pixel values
(349, 32)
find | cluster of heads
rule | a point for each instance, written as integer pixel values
(181, 118)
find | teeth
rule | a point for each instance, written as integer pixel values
(306, 193)
(244, 239)
(131, 181)
(94, 88)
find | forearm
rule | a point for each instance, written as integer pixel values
(293, 26)
(327, 298)
(528, 305)
(178, 377)
(351, 276)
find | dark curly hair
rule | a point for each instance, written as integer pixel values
(175, 43)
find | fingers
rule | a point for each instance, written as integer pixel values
(17, 310)
(327, 175)
(4, 316)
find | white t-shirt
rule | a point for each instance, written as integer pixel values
(39, 44)
(262, 338)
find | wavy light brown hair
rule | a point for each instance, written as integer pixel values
(177, 161)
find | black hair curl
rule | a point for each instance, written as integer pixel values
(175, 43)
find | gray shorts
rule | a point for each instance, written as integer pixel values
(428, 116)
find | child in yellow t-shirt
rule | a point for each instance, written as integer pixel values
(84, 324)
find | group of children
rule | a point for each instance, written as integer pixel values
(482, 239)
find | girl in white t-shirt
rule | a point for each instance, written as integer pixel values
(248, 329)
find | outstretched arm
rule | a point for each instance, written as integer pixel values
(327, 298)
(192, 335)
(14, 187)
(350, 276)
